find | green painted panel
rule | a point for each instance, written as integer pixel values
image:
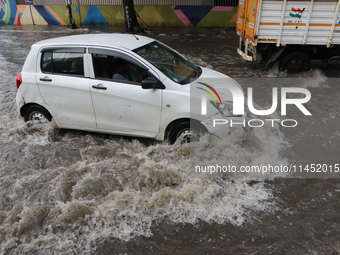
(114, 15)
(170, 18)
(60, 11)
(218, 19)
(76, 15)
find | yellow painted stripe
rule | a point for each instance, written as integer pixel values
(320, 25)
(267, 40)
(269, 24)
(294, 24)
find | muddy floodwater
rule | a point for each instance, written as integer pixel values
(74, 192)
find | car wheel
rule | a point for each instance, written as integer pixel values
(37, 113)
(185, 133)
(295, 62)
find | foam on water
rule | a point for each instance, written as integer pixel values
(112, 187)
(64, 191)
(310, 79)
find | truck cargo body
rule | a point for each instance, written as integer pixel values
(299, 30)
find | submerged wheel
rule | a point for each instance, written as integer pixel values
(37, 113)
(184, 133)
(295, 62)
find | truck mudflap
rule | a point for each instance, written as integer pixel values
(244, 56)
(246, 49)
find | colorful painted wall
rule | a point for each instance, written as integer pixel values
(8, 11)
(91, 15)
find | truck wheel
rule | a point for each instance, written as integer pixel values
(295, 62)
(37, 113)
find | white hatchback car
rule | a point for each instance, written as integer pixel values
(118, 84)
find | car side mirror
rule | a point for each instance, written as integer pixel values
(149, 83)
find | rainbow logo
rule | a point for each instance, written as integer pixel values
(209, 93)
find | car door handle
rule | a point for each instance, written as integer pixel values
(45, 79)
(99, 87)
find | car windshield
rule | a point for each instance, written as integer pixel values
(169, 62)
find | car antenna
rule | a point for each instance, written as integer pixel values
(135, 36)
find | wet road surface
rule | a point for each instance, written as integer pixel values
(73, 192)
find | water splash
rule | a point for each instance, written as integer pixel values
(64, 191)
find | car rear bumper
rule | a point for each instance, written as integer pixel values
(19, 101)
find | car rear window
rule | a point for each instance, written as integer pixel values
(69, 63)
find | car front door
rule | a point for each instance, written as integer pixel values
(121, 105)
(64, 85)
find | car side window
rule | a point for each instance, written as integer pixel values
(103, 65)
(46, 62)
(116, 68)
(68, 63)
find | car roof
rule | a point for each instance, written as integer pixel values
(126, 41)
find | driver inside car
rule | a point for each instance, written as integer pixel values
(127, 72)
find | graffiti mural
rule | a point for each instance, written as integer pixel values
(100, 15)
(8, 10)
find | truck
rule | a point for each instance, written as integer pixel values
(289, 32)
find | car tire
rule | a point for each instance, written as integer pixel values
(37, 113)
(295, 62)
(185, 132)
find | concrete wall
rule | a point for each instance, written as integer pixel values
(92, 15)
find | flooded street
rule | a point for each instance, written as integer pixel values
(75, 192)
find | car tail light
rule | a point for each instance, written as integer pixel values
(19, 80)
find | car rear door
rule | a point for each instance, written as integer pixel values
(122, 106)
(64, 85)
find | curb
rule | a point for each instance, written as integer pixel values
(170, 34)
